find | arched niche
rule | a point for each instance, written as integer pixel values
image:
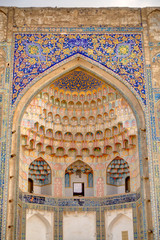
(39, 173)
(121, 227)
(38, 227)
(118, 175)
(79, 179)
(77, 140)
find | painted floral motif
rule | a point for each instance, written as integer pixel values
(58, 187)
(100, 187)
(35, 53)
(33, 50)
(77, 81)
(123, 50)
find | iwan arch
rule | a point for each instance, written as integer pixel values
(80, 64)
(79, 164)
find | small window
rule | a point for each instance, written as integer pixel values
(78, 189)
(30, 185)
(127, 184)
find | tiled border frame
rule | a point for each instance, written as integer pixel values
(5, 142)
(10, 121)
(152, 139)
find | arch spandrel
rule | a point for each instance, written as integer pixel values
(120, 54)
(91, 66)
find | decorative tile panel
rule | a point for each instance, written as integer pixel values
(120, 53)
(82, 202)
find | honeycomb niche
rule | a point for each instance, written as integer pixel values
(79, 130)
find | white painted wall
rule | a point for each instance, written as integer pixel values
(39, 225)
(79, 226)
(111, 190)
(117, 221)
(88, 192)
(46, 190)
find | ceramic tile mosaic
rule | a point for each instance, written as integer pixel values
(77, 81)
(82, 202)
(35, 53)
(0, 113)
(151, 130)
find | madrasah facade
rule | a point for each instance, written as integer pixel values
(80, 123)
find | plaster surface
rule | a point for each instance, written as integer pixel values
(79, 225)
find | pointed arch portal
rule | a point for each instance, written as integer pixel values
(106, 77)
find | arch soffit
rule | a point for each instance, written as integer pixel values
(89, 65)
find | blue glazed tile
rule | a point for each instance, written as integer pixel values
(120, 53)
